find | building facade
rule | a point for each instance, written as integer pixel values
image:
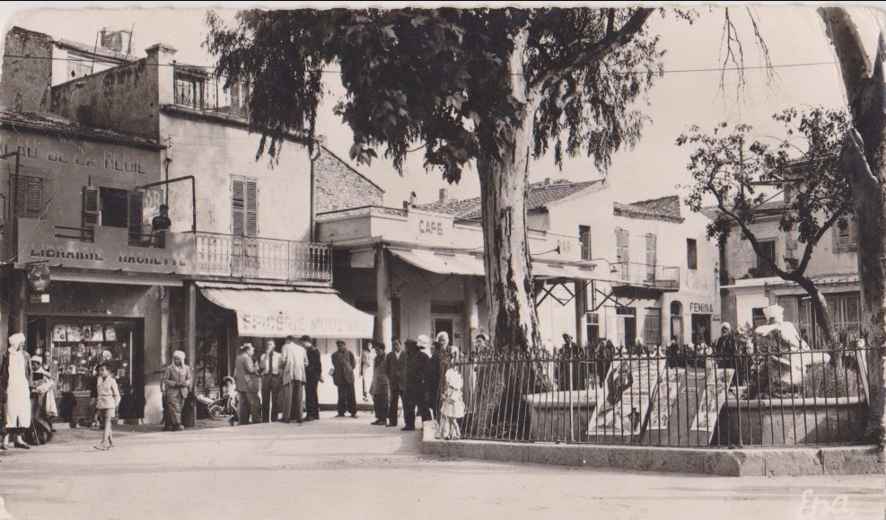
(240, 229)
(749, 285)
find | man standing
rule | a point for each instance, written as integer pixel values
(271, 381)
(380, 385)
(415, 368)
(314, 378)
(343, 364)
(248, 380)
(295, 362)
(393, 370)
(177, 383)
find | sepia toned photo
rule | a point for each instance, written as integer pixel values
(442, 260)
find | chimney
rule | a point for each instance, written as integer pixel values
(443, 195)
(162, 57)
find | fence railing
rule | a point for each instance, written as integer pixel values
(698, 399)
(262, 258)
(649, 275)
(194, 88)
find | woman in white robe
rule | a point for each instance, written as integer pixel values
(15, 379)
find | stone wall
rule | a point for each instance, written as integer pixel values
(338, 186)
(26, 79)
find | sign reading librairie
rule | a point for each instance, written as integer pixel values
(109, 250)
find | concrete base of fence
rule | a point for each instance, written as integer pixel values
(766, 462)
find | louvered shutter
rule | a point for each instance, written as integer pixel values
(238, 207)
(251, 208)
(135, 208)
(651, 256)
(29, 196)
(91, 206)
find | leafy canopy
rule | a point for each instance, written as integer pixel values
(741, 173)
(441, 78)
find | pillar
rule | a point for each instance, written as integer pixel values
(581, 315)
(384, 329)
(164, 327)
(191, 325)
(472, 312)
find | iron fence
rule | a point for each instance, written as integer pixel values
(772, 397)
(262, 258)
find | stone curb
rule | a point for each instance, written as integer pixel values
(766, 462)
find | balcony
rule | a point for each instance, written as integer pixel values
(262, 258)
(646, 276)
(198, 254)
(195, 89)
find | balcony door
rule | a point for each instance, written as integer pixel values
(244, 227)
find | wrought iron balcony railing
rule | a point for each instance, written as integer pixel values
(261, 258)
(647, 275)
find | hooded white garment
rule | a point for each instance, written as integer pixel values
(18, 392)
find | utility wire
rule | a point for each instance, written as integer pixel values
(336, 71)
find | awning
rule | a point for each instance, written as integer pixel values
(472, 265)
(442, 263)
(279, 313)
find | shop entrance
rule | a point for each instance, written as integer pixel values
(701, 328)
(627, 325)
(72, 347)
(443, 325)
(677, 322)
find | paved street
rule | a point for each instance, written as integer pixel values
(344, 468)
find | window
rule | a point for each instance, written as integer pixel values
(651, 256)
(691, 254)
(844, 237)
(244, 207)
(593, 327)
(764, 268)
(584, 238)
(622, 249)
(757, 317)
(845, 312)
(30, 193)
(189, 90)
(114, 207)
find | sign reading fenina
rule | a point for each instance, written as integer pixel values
(701, 308)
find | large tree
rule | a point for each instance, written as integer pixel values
(492, 87)
(741, 174)
(864, 153)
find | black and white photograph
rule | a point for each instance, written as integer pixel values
(442, 260)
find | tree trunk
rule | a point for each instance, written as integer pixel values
(820, 308)
(863, 156)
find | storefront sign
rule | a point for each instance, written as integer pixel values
(109, 249)
(701, 308)
(39, 150)
(430, 226)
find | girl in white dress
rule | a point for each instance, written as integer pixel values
(453, 406)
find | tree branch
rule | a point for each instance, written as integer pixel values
(844, 36)
(587, 54)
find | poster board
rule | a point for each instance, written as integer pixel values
(687, 407)
(625, 419)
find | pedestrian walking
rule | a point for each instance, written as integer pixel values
(247, 379)
(415, 369)
(380, 387)
(15, 380)
(107, 401)
(343, 365)
(393, 370)
(452, 407)
(177, 382)
(314, 376)
(271, 365)
(295, 362)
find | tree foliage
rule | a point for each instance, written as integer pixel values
(440, 77)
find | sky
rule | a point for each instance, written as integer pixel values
(799, 49)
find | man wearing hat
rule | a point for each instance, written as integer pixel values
(415, 373)
(381, 385)
(248, 381)
(343, 364)
(393, 369)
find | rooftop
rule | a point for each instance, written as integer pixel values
(540, 195)
(53, 124)
(94, 50)
(663, 208)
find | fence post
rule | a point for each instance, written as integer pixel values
(571, 410)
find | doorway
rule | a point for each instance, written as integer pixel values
(701, 328)
(627, 325)
(443, 325)
(677, 322)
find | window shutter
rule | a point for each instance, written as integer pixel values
(91, 206)
(29, 196)
(584, 237)
(622, 250)
(651, 256)
(238, 209)
(251, 208)
(136, 210)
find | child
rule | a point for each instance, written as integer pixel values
(107, 400)
(230, 400)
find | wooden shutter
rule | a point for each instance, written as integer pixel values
(29, 196)
(584, 237)
(238, 207)
(651, 255)
(251, 208)
(91, 206)
(622, 250)
(135, 207)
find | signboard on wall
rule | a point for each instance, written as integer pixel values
(108, 249)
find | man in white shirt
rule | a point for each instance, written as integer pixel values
(271, 366)
(295, 361)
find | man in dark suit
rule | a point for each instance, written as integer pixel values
(414, 374)
(314, 378)
(343, 365)
(393, 367)
(248, 382)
